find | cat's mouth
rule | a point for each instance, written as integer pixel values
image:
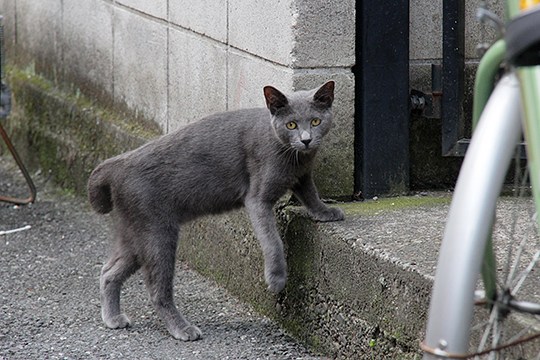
(304, 148)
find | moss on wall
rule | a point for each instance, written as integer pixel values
(65, 133)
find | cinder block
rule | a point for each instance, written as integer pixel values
(264, 29)
(247, 77)
(208, 17)
(475, 32)
(425, 30)
(88, 43)
(156, 8)
(324, 33)
(140, 65)
(39, 35)
(197, 77)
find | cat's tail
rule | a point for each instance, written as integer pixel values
(100, 188)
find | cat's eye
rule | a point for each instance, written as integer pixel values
(291, 125)
(315, 122)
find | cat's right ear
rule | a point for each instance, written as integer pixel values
(275, 100)
(324, 97)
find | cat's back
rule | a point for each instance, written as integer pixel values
(228, 125)
(219, 134)
(202, 166)
(225, 134)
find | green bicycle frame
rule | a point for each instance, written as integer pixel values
(483, 86)
(529, 78)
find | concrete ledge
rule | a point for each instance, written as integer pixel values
(357, 289)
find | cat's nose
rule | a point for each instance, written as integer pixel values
(306, 142)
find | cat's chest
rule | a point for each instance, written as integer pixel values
(275, 169)
(275, 181)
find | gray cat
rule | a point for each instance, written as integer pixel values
(225, 161)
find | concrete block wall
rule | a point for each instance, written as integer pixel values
(426, 30)
(176, 61)
(428, 167)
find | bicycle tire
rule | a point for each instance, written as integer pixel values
(469, 223)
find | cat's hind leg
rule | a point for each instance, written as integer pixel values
(158, 270)
(121, 265)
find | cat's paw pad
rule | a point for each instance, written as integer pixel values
(330, 214)
(117, 322)
(189, 333)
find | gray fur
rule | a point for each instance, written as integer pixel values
(225, 161)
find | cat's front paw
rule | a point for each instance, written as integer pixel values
(276, 280)
(275, 284)
(329, 214)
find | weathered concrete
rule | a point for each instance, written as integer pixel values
(197, 77)
(324, 34)
(140, 66)
(41, 99)
(157, 8)
(426, 29)
(270, 36)
(67, 135)
(88, 28)
(175, 63)
(349, 282)
(206, 17)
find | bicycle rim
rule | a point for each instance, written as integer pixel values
(498, 322)
(457, 328)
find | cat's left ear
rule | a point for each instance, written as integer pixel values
(275, 100)
(324, 97)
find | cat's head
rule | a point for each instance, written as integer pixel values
(302, 119)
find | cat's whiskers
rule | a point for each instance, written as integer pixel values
(290, 154)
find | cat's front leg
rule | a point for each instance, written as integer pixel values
(262, 218)
(306, 192)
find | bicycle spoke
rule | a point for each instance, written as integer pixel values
(520, 334)
(488, 329)
(526, 272)
(497, 332)
(519, 191)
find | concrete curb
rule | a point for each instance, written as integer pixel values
(353, 290)
(347, 296)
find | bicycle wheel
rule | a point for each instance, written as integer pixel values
(456, 327)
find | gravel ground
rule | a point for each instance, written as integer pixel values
(49, 293)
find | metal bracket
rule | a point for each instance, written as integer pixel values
(428, 105)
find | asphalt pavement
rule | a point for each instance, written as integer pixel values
(51, 253)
